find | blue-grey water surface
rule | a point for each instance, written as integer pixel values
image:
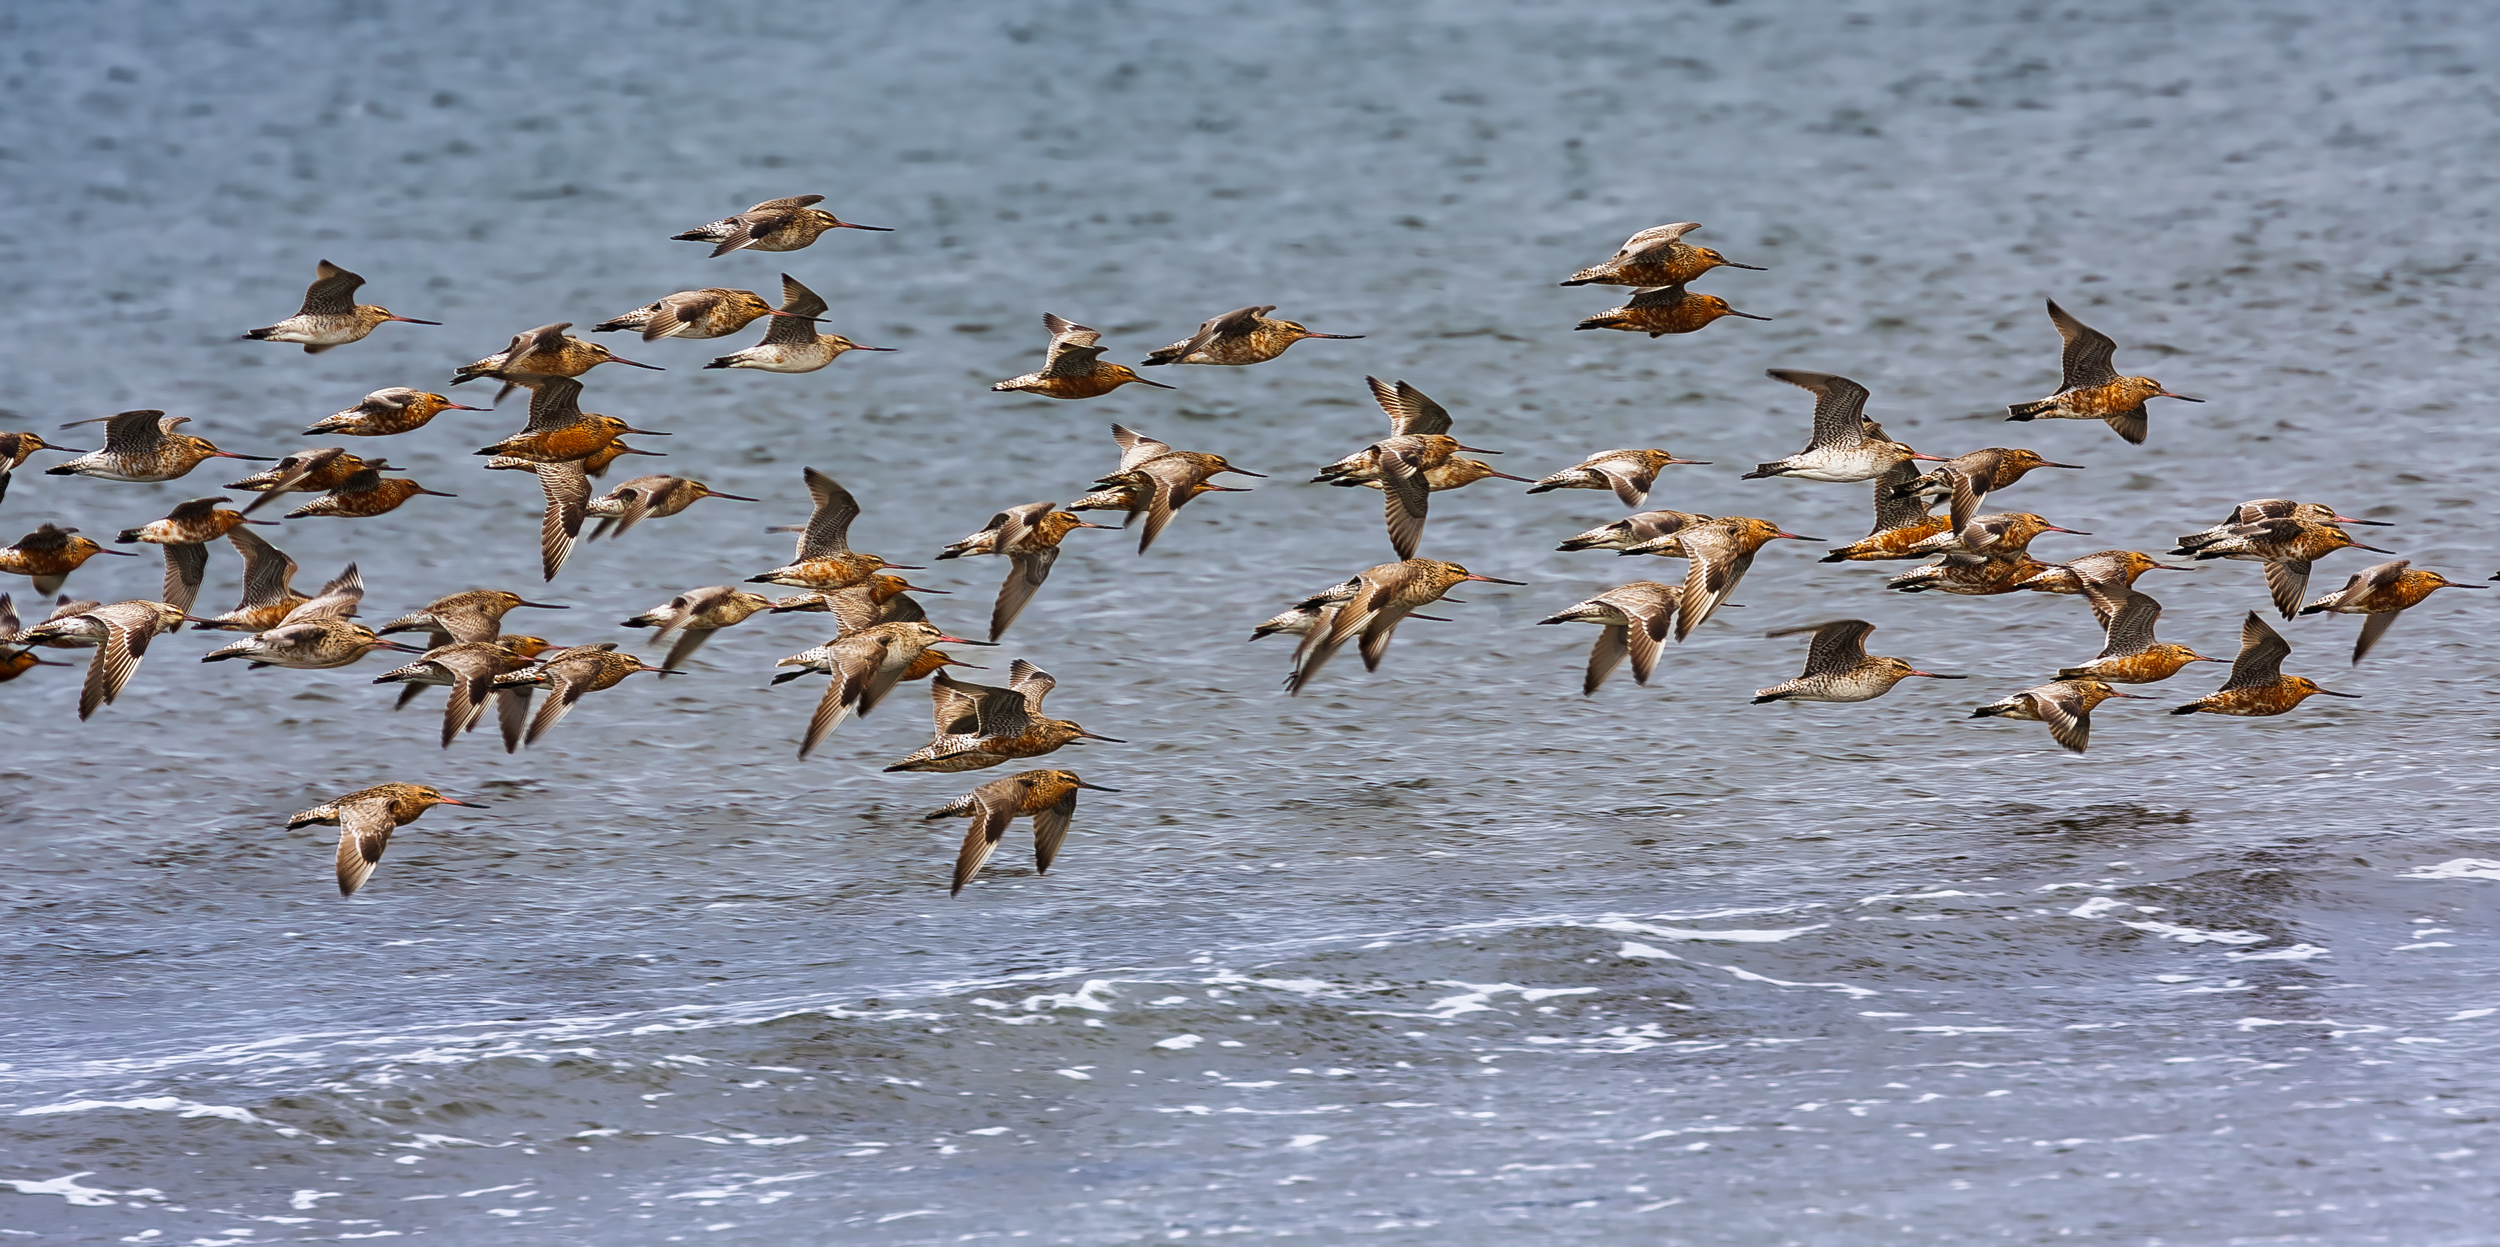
(1443, 954)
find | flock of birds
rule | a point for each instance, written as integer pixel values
(884, 637)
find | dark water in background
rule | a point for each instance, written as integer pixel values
(1442, 954)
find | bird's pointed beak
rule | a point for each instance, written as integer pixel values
(1747, 315)
(648, 432)
(544, 606)
(228, 454)
(774, 311)
(1243, 489)
(2186, 397)
(2372, 549)
(430, 493)
(2136, 696)
(1696, 463)
(1479, 450)
(1929, 458)
(963, 640)
(634, 363)
(1493, 581)
(1099, 736)
(134, 554)
(274, 523)
(1091, 524)
(732, 497)
(903, 567)
(1802, 537)
(2332, 693)
(1237, 472)
(1932, 675)
(913, 588)
(1755, 268)
(857, 347)
(2076, 467)
(1097, 787)
(1524, 480)
(72, 450)
(470, 804)
(405, 649)
(1156, 384)
(2168, 567)
(878, 229)
(2346, 519)
(1341, 337)
(411, 320)
(2075, 532)
(464, 407)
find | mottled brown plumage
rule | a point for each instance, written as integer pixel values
(1632, 619)
(1243, 336)
(1047, 797)
(825, 560)
(365, 819)
(2258, 688)
(2377, 593)
(142, 446)
(1388, 594)
(385, 413)
(1657, 256)
(1074, 368)
(2065, 706)
(330, 315)
(979, 726)
(1662, 310)
(2092, 389)
(2130, 655)
(773, 225)
(1838, 668)
(49, 554)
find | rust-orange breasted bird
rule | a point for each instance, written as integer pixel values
(1657, 256)
(2258, 688)
(1046, 797)
(773, 225)
(2092, 389)
(1243, 336)
(2378, 593)
(1662, 310)
(365, 819)
(1074, 368)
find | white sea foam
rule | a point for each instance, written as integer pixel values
(2457, 868)
(69, 1187)
(164, 1104)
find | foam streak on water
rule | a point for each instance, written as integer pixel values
(1441, 954)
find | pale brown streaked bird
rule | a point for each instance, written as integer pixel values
(1156, 481)
(330, 315)
(1629, 473)
(1243, 336)
(2129, 654)
(365, 819)
(1418, 459)
(49, 554)
(1074, 368)
(16, 448)
(773, 225)
(1901, 521)
(865, 663)
(879, 599)
(697, 614)
(1845, 446)
(648, 497)
(1722, 551)
(388, 412)
(712, 312)
(469, 669)
(1657, 256)
(2104, 578)
(1969, 575)
(1965, 481)
(1662, 310)
(1838, 668)
(143, 446)
(469, 615)
(1634, 620)
(536, 354)
(791, 343)
(2064, 705)
(558, 430)
(1047, 797)
(2092, 389)
(2287, 547)
(1389, 593)
(318, 643)
(2377, 594)
(1029, 537)
(2260, 510)
(1633, 530)
(979, 726)
(2258, 688)
(570, 675)
(825, 560)
(120, 634)
(185, 534)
